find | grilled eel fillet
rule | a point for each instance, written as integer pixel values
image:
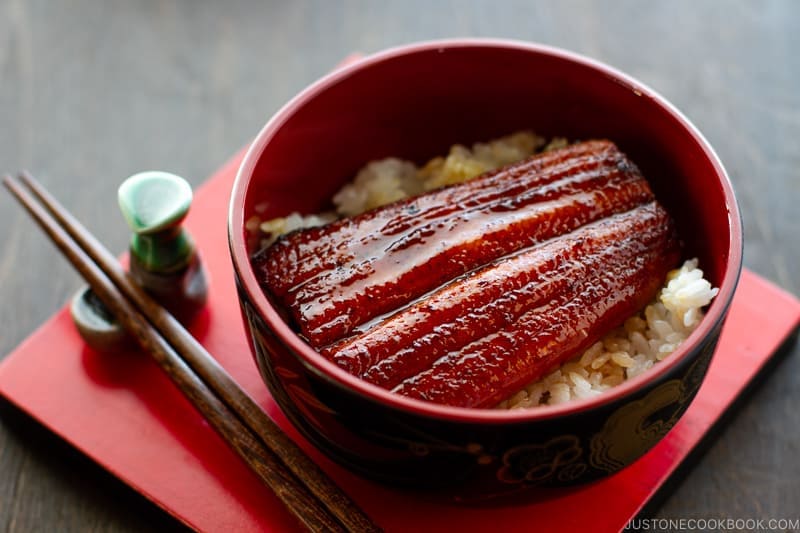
(464, 295)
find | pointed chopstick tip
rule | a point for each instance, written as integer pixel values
(26, 177)
(14, 187)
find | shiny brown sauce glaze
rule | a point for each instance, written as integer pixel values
(465, 294)
(611, 284)
(494, 297)
(337, 277)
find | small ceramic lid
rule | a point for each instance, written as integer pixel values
(154, 201)
(95, 323)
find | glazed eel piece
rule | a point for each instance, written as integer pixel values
(337, 277)
(500, 295)
(613, 269)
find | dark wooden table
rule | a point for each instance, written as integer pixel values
(91, 92)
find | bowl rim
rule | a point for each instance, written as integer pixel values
(334, 374)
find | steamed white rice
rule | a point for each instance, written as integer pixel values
(626, 352)
(388, 180)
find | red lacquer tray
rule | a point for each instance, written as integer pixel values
(124, 413)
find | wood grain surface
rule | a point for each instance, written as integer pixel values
(93, 91)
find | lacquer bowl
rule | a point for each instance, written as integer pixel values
(414, 102)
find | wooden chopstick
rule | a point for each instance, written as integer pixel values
(316, 501)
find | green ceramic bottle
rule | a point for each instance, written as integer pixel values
(163, 258)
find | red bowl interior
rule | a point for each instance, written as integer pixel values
(414, 102)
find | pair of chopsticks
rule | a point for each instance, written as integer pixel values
(299, 483)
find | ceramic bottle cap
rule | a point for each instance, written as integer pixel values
(154, 201)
